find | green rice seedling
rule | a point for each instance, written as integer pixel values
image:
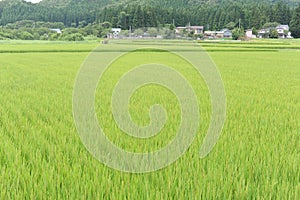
(256, 157)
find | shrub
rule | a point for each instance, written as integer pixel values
(73, 37)
(273, 33)
(237, 33)
(25, 36)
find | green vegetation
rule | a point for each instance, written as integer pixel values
(214, 15)
(237, 33)
(295, 23)
(257, 156)
(31, 30)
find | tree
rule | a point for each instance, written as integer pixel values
(273, 33)
(122, 20)
(172, 27)
(270, 25)
(106, 24)
(230, 25)
(26, 36)
(73, 37)
(138, 32)
(254, 31)
(152, 32)
(295, 23)
(54, 36)
(237, 33)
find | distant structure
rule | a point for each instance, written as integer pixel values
(180, 29)
(224, 33)
(115, 32)
(57, 30)
(282, 30)
(197, 30)
(249, 34)
(263, 32)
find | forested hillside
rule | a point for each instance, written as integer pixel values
(213, 14)
(24, 20)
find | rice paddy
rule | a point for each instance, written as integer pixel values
(256, 157)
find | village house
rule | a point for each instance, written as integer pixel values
(249, 34)
(263, 33)
(282, 30)
(57, 30)
(180, 29)
(115, 32)
(224, 33)
(210, 34)
(197, 30)
(227, 33)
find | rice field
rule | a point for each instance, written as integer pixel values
(256, 157)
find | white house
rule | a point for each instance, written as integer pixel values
(283, 31)
(116, 32)
(57, 30)
(227, 33)
(196, 29)
(224, 33)
(249, 34)
(180, 29)
(263, 32)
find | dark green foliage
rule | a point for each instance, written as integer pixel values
(230, 25)
(73, 37)
(95, 18)
(237, 34)
(25, 35)
(295, 23)
(148, 13)
(254, 31)
(273, 33)
(270, 25)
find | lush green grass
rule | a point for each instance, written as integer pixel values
(45, 47)
(252, 45)
(257, 156)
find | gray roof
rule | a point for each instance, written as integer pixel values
(285, 27)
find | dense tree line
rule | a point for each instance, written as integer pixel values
(32, 30)
(213, 14)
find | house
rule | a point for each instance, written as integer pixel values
(180, 29)
(227, 33)
(224, 33)
(283, 31)
(219, 34)
(249, 34)
(214, 34)
(116, 32)
(263, 33)
(57, 30)
(210, 34)
(195, 29)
